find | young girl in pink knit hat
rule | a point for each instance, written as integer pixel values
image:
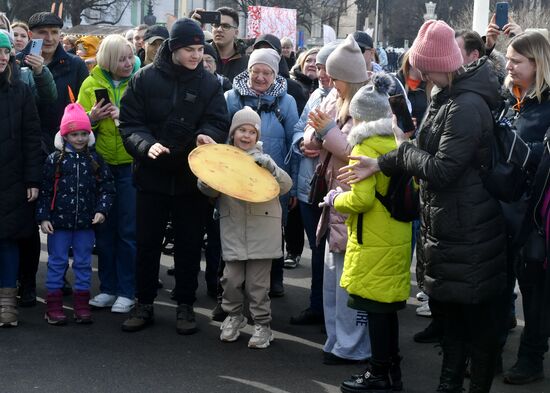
(76, 193)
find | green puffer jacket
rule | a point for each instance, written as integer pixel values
(376, 268)
(108, 141)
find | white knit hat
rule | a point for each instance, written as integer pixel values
(266, 56)
(247, 115)
(346, 63)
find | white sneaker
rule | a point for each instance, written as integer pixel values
(422, 297)
(261, 338)
(424, 310)
(123, 305)
(231, 326)
(102, 300)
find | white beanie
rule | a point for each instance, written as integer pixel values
(266, 56)
(346, 62)
(247, 115)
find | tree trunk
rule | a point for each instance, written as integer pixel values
(75, 16)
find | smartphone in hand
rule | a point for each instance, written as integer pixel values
(398, 105)
(102, 94)
(501, 14)
(36, 46)
(211, 17)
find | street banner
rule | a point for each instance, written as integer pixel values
(280, 22)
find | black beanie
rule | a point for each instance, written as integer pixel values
(209, 50)
(185, 32)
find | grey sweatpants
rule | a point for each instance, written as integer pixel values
(254, 275)
(347, 329)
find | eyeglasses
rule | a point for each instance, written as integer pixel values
(224, 26)
(255, 73)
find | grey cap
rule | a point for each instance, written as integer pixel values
(41, 19)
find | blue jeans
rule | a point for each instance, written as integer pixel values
(116, 238)
(310, 217)
(82, 243)
(9, 263)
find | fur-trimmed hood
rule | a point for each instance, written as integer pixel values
(58, 142)
(364, 130)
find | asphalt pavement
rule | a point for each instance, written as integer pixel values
(37, 357)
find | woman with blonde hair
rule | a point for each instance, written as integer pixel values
(528, 82)
(20, 35)
(328, 126)
(116, 237)
(305, 72)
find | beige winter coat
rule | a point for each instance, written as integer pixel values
(250, 230)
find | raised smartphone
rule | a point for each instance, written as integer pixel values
(501, 14)
(102, 94)
(399, 108)
(211, 17)
(36, 46)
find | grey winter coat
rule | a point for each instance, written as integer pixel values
(251, 230)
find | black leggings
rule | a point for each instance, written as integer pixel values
(384, 336)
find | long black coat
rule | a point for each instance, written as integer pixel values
(171, 105)
(20, 158)
(462, 228)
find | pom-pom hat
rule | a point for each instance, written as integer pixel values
(370, 103)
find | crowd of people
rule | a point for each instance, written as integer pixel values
(94, 153)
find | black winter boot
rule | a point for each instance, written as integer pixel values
(453, 366)
(526, 370)
(395, 373)
(482, 370)
(375, 379)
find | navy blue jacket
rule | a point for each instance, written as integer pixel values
(67, 70)
(80, 193)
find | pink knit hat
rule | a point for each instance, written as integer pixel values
(435, 48)
(75, 118)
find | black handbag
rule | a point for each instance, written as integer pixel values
(318, 184)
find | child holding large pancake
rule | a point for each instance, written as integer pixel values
(251, 238)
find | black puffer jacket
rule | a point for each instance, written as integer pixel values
(462, 228)
(171, 105)
(20, 158)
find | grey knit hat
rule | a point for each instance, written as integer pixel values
(371, 103)
(325, 52)
(266, 56)
(247, 115)
(346, 62)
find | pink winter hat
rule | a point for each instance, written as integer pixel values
(75, 118)
(435, 48)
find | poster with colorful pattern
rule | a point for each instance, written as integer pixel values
(280, 22)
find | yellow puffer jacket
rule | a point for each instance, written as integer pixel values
(378, 268)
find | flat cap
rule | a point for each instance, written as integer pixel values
(41, 19)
